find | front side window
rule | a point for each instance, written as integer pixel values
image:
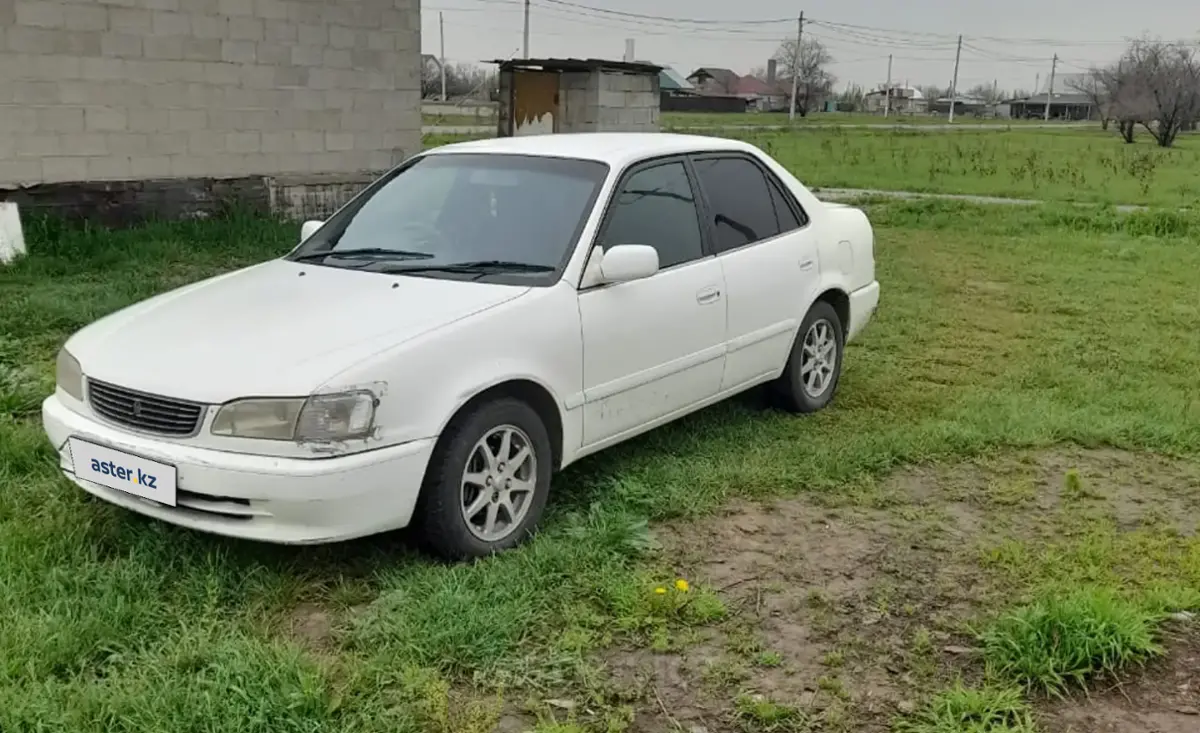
(465, 215)
(740, 199)
(655, 206)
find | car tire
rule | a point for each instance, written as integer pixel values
(474, 501)
(820, 339)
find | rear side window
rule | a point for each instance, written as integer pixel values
(740, 201)
(783, 213)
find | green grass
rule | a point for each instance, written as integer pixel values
(709, 119)
(1061, 165)
(999, 328)
(1085, 166)
(1061, 642)
(961, 709)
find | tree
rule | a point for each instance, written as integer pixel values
(933, 91)
(1156, 85)
(987, 92)
(814, 82)
(1093, 85)
(462, 80)
(852, 98)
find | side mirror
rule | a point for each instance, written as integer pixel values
(309, 228)
(626, 262)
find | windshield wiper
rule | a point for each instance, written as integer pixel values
(365, 253)
(481, 267)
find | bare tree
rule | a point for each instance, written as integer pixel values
(933, 91)
(987, 92)
(1156, 85)
(462, 80)
(852, 98)
(1093, 84)
(814, 82)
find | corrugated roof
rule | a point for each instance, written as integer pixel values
(577, 65)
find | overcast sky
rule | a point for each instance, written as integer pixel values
(1010, 41)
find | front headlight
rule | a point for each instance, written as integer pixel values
(68, 374)
(319, 419)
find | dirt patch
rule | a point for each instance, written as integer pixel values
(312, 626)
(1163, 698)
(851, 613)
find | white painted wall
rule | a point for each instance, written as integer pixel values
(12, 239)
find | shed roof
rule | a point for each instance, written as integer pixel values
(636, 67)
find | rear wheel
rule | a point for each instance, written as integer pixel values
(487, 482)
(814, 367)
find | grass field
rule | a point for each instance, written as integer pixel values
(1088, 166)
(1014, 447)
(765, 119)
(1067, 165)
(704, 119)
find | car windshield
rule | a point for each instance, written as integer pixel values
(465, 216)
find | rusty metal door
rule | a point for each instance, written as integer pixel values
(535, 102)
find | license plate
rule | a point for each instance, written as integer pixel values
(124, 472)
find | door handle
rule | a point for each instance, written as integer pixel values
(708, 295)
(806, 265)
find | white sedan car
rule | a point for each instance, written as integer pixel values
(482, 315)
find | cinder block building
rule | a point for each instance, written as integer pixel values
(540, 96)
(121, 107)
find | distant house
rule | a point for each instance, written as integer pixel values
(714, 80)
(758, 94)
(962, 106)
(672, 82)
(905, 100)
(1065, 106)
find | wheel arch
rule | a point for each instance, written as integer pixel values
(532, 393)
(840, 301)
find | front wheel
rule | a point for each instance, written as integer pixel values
(810, 378)
(487, 481)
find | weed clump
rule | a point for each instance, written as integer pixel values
(1060, 642)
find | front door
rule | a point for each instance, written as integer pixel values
(653, 348)
(535, 102)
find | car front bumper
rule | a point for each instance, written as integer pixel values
(263, 498)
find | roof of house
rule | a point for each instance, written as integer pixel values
(577, 65)
(1056, 98)
(725, 77)
(670, 80)
(751, 85)
(617, 149)
(962, 99)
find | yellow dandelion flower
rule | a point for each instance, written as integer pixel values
(660, 590)
(681, 585)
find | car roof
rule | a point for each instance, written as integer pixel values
(617, 149)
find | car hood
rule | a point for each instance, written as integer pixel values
(280, 328)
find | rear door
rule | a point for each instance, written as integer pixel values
(768, 255)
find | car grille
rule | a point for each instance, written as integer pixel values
(151, 413)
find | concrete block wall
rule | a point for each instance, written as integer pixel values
(609, 101)
(127, 90)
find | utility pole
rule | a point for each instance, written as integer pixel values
(954, 81)
(796, 67)
(442, 57)
(887, 94)
(526, 47)
(1050, 88)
